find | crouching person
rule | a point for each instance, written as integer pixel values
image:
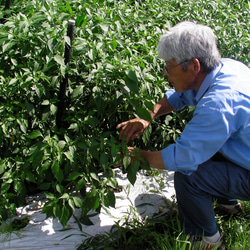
(211, 158)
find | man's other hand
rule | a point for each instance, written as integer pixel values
(132, 128)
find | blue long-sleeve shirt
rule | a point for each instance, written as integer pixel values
(220, 123)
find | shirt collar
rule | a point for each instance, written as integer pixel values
(207, 82)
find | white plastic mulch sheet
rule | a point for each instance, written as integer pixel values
(147, 197)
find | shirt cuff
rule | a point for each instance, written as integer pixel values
(174, 99)
(168, 157)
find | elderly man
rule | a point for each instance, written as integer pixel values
(211, 158)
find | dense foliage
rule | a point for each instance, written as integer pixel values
(114, 74)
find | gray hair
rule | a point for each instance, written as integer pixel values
(188, 40)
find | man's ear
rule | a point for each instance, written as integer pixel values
(196, 65)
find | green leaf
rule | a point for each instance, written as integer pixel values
(7, 175)
(59, 188)
(113, 182)
(18, 186)
(132, 171)
(55, 168)
(149, 105)
(81, 21)
(77, 92)
(144, 164)
(34, 134)
(104, 158)
(13, 81)
(94, 201)
(109, 199)
(59, 176)
(69, 155)
(132, 76)
(69, 9)
(30, 177)
(73, 176)
(23, 125)
(67, 40)
(143, 113)
(61, 144)
(134, 102)
(45, 102)
(77, 201)
(132, 85)
(48, 209)
(57, 210)
(8, 46)
(59, 59)
(2, 166)
(71, 204)
(5, 187)
(65, 196)
(90, 203)
(86, 221)
(44, 186)
(126, 161)
(50, 44)
(104, 27)
(80, 184)
(50, 196)
(94, 176)
(65, 216)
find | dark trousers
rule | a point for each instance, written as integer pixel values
(215, 178)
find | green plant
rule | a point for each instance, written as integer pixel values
(164, 232)
(134, 232)
(235, 230)
(114, 74)
(13, 226)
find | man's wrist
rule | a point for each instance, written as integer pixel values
(153, 158)
(145, 123)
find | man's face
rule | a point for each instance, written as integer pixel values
(180, 79)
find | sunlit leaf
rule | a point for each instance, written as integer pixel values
(126, 161)
(59, 59)
(77, 201)
(69, 155)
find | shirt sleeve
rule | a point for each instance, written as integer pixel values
(180, 100)
(203, 136)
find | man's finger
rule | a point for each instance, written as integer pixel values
(128, 131)
(121, 124)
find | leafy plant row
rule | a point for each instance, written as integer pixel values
(114, 74)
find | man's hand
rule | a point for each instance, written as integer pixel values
(153, 158)
(133, 154)
(132, 128)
